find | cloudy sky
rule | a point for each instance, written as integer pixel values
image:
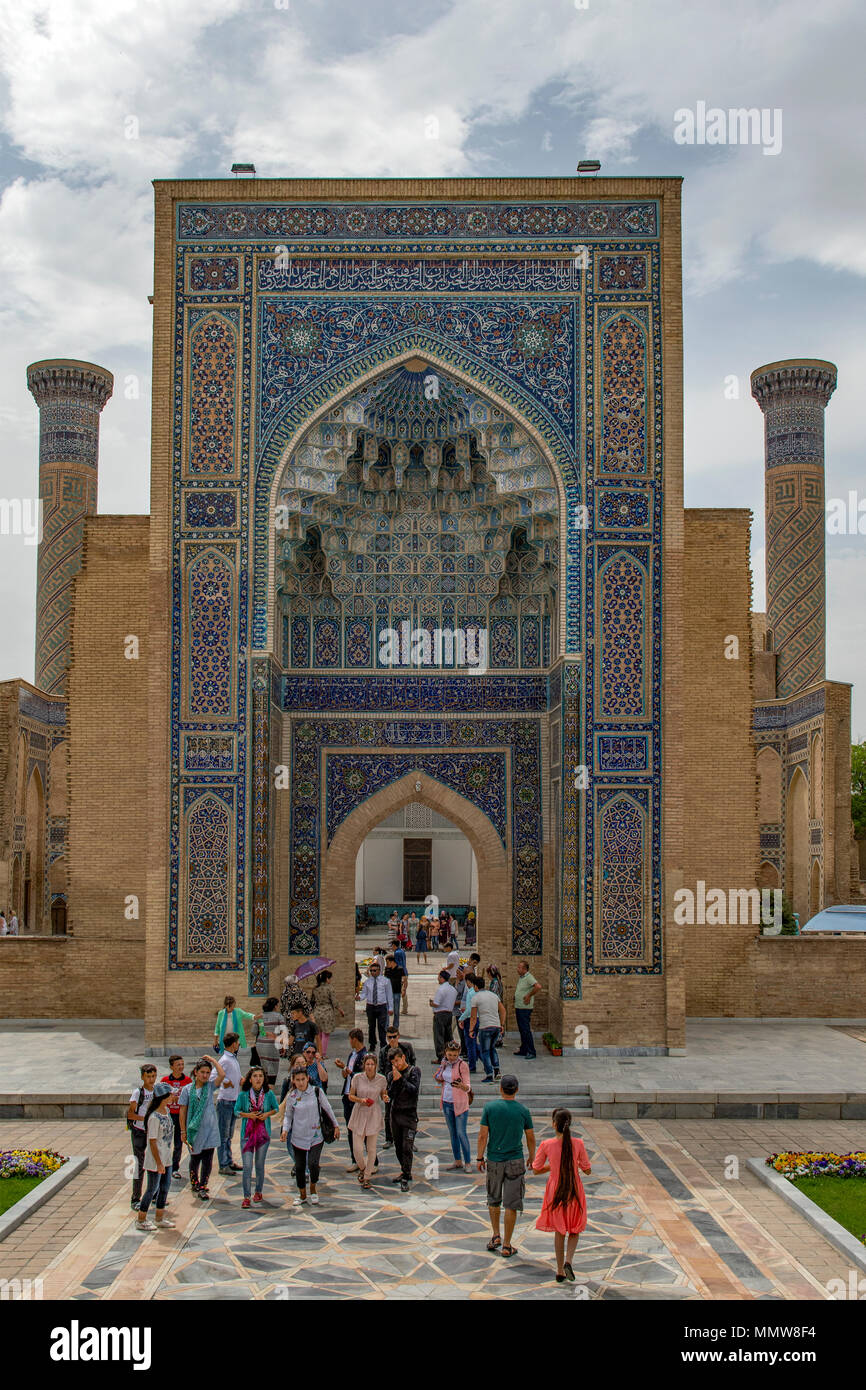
(98, 97)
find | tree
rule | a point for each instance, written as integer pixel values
(858, 787)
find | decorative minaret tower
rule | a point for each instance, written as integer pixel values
(793, 396)
(70, 396)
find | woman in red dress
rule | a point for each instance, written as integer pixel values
(564, 1208)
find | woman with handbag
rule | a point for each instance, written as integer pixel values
(308, 1124)
(455, 1100)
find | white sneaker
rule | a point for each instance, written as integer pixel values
(143, 1227)
(166, 1225)
(314, 1198)
(299, 1202)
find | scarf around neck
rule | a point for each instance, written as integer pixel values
(256, 1131)
(197, 1106)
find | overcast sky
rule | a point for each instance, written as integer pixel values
(774, 246)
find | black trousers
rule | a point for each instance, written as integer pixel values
(177, 1146)
(404, 1130)
(139, 1148)
(304, 1159)
(377, 1018)
(442, 1025)
(200, 1166)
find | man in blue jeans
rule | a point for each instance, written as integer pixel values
(226, 1100)
(487, 1021)
(524, 995)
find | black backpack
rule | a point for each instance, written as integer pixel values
(326, 1124)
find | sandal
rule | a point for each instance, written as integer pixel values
(367, 1186)
(508, 1251)
(495, 1243)
(560, 1278)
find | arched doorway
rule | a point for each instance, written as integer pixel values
(417, 862)
(337, 902)
(34, 882)
(815, 894)
(797, 846)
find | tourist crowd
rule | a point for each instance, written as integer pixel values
(379, 1085)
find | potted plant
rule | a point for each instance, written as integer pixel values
(552, 1043)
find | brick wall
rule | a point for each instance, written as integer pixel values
(99, 971)
(721, 843)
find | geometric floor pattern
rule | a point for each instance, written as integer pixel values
(651, 1235)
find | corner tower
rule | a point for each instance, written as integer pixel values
(70, 396)
(793, 396)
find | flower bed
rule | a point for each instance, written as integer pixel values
(818, 1165)
(23, 1169)
(834, 1193)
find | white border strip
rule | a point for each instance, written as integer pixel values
(42, 1193)
(831, 1230)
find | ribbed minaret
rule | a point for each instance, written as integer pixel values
(793, 396)
(70, 396)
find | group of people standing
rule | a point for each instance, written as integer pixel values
(380, 1090)
(8, 923)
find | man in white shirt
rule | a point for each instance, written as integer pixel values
(226, 1098)
(452, 961)
(442, 1005)
(378, 996)
(487, 1021)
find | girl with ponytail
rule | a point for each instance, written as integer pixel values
(564, 1208)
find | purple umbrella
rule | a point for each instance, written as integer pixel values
(313, 967)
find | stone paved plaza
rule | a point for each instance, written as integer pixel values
(664, 1223)
(665, 1220)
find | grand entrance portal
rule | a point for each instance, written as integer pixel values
(417, 565)
(410, 529)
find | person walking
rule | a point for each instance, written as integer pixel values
(198, 1123)
(464, 1022)
(230, 1085)
(377, 996)
(486, 1021)
(442, 1005)
(302, 1127)
(294, 996)
(421, 942)
(135, 1113)
(563, 1210)
(495, 985)
(354, 1063)
(302, 1029)
(270, 1029)
(176, 1079)
(230, 1019)
(159, 1131)
(504, 1123)
(401, 1110)
(392, 1040)
(325, 1008)
(368, 1117)
(13, 924)
(453, 1077)
(396, 976)
(524, 998)
(316, 1069)
(255, 1107)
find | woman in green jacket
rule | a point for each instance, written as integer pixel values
(230, 1020)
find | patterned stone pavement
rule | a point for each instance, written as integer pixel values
(663, 1225)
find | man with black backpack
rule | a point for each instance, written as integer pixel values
(404, 1087)
(136, 1110)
